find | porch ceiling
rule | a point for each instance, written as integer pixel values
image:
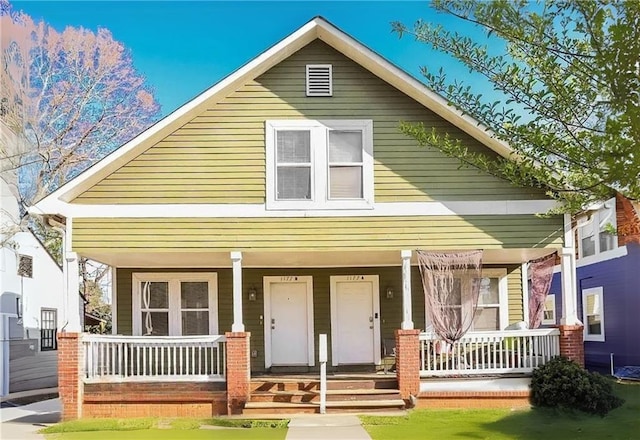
(307, 258)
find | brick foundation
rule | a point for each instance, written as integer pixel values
(572, 343)
(70, 386)
(154, 399)
(238, 371)
(477, 400)
(408, 362)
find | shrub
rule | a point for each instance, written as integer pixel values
(562, 383)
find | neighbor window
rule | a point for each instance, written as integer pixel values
(549, 312)
(175, 304)
(48, 329)
(593, 314)
(319, 164)
(595, 233)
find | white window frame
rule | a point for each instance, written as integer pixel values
(319, 132)
(552, 298)
(503, 295)
(174, 308)
(600, 293)
(598, 220)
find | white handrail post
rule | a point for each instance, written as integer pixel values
(322, 355)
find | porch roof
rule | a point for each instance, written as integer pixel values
(306, 258)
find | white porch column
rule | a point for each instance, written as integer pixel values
(568, 271)
(407, 322)
(73, 308)
(238, 325)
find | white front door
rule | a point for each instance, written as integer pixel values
(288, 325)
(355, 320)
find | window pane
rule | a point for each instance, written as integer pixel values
(593, 304)
(489, 293)
(155, 295)
(486, 318)
(294, 183)
(607, 241)
(345, 146)
(155, 323)
(195, 323)
(594, 325)
(194, 295)
(345, 182)
(293, 146)
(588, 246)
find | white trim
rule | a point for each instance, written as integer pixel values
(319, 146)
(552, 297)
(618, 252)
(599, 292)
(603, 256)
(407, 306)
(238, 320)
(174, 279)
(267, 281)
(114, 300)
(335, 331)
(316, 28)
(453, 208)
(524, 275)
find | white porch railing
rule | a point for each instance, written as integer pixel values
(153, 358)
(477, 353)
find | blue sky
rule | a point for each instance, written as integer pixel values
(185, 47)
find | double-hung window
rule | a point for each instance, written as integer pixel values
(593, 314)
(175, 304)
(594, 234)
(492, 309)
(319, 164)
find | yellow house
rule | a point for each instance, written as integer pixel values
(282, 204)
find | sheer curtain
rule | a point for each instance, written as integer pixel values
(540, 274)
(451, 283)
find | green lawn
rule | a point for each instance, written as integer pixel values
(161, 429)
(622, 423)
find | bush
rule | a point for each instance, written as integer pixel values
(562, 383)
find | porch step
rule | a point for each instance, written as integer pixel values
(298, 396)
(301, 394)
(338, 406)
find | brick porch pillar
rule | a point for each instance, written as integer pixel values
(70, 386)
(408, 362)
(572, 343)
(238, 371)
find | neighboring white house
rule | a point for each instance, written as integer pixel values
(30, 304)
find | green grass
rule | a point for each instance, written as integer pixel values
(539, 423)
(160, 429)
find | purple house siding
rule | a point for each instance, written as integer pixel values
(620, 282)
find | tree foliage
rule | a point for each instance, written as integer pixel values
(70, 98)
(568, 83)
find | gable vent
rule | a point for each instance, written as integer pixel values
(319, 80)
(25, 266)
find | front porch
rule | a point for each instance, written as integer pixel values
(203, 376)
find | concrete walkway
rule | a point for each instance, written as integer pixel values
(23, 422)
(334, 427)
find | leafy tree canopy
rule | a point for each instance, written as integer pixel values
(568, 92)
(68, 98)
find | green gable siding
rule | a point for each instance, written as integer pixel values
(219, 157)
(390, 309)
(321, 233)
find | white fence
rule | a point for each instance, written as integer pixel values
(154, 358)
(478, 353)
